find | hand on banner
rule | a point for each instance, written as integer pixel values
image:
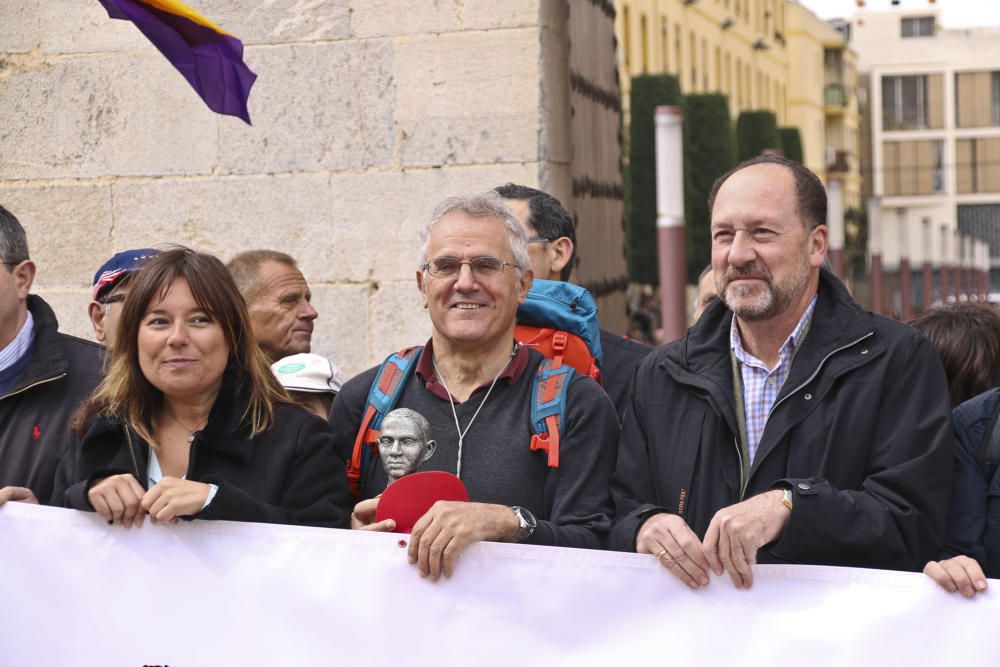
(738, 531)
(118, 499)
(449, 526)
(960, 573)
(173, 497)
(363, 517)
(17, 494)
(675, 545)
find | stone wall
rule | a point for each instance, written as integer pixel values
(366, 113)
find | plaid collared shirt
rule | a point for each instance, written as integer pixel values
(760, 384)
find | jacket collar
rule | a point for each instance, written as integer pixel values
(838, 322)
(701, 357)
(48, 360)
(225, 432)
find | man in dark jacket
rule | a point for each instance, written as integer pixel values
(552, 249)
(44, 376)
(788, 425)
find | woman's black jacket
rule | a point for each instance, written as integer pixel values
(289, 474)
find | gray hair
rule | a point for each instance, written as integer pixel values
(245, 266)
(406, 414)
(485, 205)
(13, 241)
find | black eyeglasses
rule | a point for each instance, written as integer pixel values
(111, 298)
(482, 267)
(538, 239)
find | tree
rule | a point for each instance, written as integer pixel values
(856, 240)
(709, 152)
(756, 132)
(648, 92)
(791, 143)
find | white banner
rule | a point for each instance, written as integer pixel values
(74, 591)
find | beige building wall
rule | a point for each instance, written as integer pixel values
(763, 54)
(366, 113)
(806, 110)
(823, 85)
(736, 47)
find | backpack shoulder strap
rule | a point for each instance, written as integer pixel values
(385, 391)
(548, 404)
(989, 450)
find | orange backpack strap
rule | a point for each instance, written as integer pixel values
(548, 392)
(385, 391)
(563, 347)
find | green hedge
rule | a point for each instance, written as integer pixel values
(709, 152)
(791, 143)
(856, 240)
(648, 92)
(756, 131)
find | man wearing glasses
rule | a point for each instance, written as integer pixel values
(111, 285)
(44, 376)
(552, 249)
(472, 383)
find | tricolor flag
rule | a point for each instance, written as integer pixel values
(208, 57)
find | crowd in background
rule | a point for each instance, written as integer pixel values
(788, 424)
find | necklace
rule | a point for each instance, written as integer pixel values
(191, 431)
(454, 413)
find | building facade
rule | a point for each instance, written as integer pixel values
(933, 116)
(762, 54)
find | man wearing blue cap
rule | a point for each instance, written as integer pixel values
(111, 285)
(44, 376)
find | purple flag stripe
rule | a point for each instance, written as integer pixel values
(211, 62)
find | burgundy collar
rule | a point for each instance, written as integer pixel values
(425, 369)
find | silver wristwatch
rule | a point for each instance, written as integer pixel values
(526, 523)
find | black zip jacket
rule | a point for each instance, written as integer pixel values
(861, 433)
(621, 358)
(36, 416)
(289, 474)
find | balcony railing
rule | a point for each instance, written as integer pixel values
(835, 95)
(906, 118)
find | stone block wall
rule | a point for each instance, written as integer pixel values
(366, 113)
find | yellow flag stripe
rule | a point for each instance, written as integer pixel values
(180, 9)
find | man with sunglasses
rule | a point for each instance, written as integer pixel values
(111, 285)
(44, 376)
(473, 384)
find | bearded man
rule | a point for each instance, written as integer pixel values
(788, 425)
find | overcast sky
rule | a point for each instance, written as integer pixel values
(954, 13)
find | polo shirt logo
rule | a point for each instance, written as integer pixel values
(36, 433)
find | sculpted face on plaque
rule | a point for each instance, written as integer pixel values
(405, 443)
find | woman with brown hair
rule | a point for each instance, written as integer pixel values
(191, 423)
